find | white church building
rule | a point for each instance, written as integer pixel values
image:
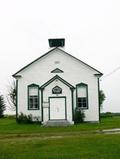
(53, 85)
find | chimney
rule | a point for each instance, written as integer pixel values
(56, 42)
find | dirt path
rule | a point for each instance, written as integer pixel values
(111, 131)
(43, 136)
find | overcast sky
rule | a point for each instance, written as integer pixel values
(91, 29)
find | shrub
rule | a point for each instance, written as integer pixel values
(36, 120)
(27, 119)
(79, 116)
(106, 115)
(9, 116)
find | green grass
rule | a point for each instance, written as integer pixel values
(8, 125)
(33, 141)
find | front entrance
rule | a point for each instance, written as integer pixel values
(57, 108)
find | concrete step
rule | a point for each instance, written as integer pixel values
(57, 123)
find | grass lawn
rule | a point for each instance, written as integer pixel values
(79, 141)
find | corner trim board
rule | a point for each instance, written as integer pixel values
(99, 98)
(16, 99)
(72, 96)
(41, 104)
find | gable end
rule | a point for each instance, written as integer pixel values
(14, 75)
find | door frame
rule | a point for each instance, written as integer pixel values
(65, 106)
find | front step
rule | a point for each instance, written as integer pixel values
(57, 123)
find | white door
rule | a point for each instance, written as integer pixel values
(57, 108)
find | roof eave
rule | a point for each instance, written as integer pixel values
(82, 62)
(98, 75)
(14, 75)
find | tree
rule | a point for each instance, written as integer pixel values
(2, 106)
(12, 92)
(102, 97)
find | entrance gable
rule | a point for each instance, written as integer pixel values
(59, 78)
(57, 100)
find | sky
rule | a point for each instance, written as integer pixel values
(91, 29)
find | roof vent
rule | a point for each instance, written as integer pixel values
(56, 42)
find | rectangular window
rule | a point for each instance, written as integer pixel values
(82, 102)
(33, 98)
(33, 102)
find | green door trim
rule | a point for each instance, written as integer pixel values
(99, 98)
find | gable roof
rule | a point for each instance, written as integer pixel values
(60, 79)
(14, 75)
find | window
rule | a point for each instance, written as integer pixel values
(33, 102)
(82, 96)
(33, 97)
(82, 102)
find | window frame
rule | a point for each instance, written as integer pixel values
(86, 86)
(82, 102)
(28, 97)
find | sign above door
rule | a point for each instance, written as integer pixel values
(57, 90)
